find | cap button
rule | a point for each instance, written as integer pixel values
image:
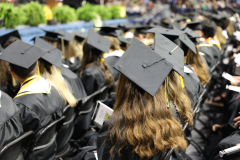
(144, 65)
(22, 53)
(167, 30)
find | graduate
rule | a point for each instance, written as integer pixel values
(70, 57)
(95, 72)
(7, 83)
(146, 85)
(78, 40)
(10, 120)
(39, 102)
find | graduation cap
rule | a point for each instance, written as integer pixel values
(9, 36)
(108, 31)
(166, 23)
(126, 26)
(51, 36)
(170, 34)
(179, 19)
(62, 32)
(187, 43)
(53, 55)
(21, 56)
(191, 33)
(67, 37)
(141, 30)
(97, 41)
(169, 50)
(195, 25)
(124, 41)
(80, 36)
(143, 67)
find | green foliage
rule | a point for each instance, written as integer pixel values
(11, 15)
(86, 13)
(116, 12)
(34, 13)
(64, 14)
(103, 11)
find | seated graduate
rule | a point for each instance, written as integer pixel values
(10, 120)
(72, 79)
(95, 72)
(49, 67)
(70, 57)
(78, 42)
(39, 102)
(203, 46)
(7, 83)
(145, 124)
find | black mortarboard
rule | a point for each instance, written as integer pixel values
(191, 33)
(127, 26)
(141, 29)
(62, 32)
(51, 36)
(53, 55)
(144, 67)
(10, 36)
(67, 37)
(108, 31)
(123, 40)
(187, 43)
(179, 19)
(195, 25)
(169, 50)
(22, 56)
(170, 34)
(97, 41)
(80, 36)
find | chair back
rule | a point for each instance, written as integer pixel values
(14, 149)
(45, 137)
(67, 128)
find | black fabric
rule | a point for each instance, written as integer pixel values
(93, 79)
(208, 55)
(86, 154)
(75, 66)
(10, 89)
(38, 111)
(75, 83)
(5, 38)
(10, 120)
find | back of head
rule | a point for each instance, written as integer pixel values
(24, 73)
(145, 122)
(114, 43)
(208, 28)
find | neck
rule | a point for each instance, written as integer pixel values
(22, 80)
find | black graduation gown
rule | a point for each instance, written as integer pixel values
(103, 150)
(93, 79)
(10, 89)
(192, 85)
(37, 111)
(10, 121)
(111, 61)
(75, 82)
(208, 55)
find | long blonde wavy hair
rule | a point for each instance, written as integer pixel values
(146, 123)
(69, 50)
(219, 36)
(200, 68)
(51, 74)
(79, 48)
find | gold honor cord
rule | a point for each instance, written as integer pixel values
(167, 93)
(182, 83)
(14, 83)
(63, 49)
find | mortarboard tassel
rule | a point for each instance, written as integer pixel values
(38, 71)
(59, 70)
(182, 83)
(63, 49)
(13, 82)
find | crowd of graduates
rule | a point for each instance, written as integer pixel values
(155, 76)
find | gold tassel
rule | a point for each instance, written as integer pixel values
(63, 49)
(101, 60)
(59, 70)
(182, 83)
(38, 71)
(14, 83)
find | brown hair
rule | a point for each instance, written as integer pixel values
(95, 56)
(230, 29)
(50, 73)
(145, 122)
(219, 36)
(79, 48)
(69, 50)
(114, 43)
(5, 75)
(196, 62)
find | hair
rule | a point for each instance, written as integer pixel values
(145, 122)
(219, 36)
(51, 42)
(8, 43)
(114, 43)
(24, 73)
(196, 62)
(69, 50)
(5, 75)
(94, 56)
(51, 74)
(230, 29)
(79, 48)
(208, 28)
